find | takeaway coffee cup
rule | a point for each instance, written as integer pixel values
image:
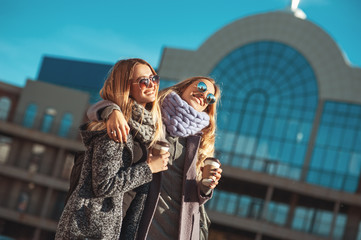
(210, 163)
(160, 147)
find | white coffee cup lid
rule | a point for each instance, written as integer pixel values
(159, 147)
(212, 161)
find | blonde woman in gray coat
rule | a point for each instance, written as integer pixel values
(109, 198)
(189, 116)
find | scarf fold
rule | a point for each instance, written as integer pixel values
(142, 124)
(181, 119)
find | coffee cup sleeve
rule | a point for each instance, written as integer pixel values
(206, 181)
(212, 163)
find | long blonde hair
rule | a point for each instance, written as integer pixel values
(206, 148)
(116, 88)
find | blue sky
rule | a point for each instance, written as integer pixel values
(109, 30)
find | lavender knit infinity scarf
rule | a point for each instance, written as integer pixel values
(142, 124)
(181, 119)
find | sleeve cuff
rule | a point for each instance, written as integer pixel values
(94, 110)
(107, 111)
(205, 191)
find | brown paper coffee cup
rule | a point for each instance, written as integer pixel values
(209, 164)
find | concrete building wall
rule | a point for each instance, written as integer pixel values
(48, 96)
(11, 93)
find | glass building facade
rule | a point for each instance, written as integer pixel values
(274, 120)
(336, 158)
(268, 106)
(271, 120)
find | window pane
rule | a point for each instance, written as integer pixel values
(30, 115)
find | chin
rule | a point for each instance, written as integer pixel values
(193, 104)
(196, 107)
(151, 99)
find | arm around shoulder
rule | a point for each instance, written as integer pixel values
(95, 111)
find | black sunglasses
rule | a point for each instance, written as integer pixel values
(144, 81)
(202, 87)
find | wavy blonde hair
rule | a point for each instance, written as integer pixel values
(206, 148)
(116, 88)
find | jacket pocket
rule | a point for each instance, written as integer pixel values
(97, 218)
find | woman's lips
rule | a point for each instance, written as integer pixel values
(198, 99)
(149, 93)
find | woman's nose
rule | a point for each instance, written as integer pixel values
(204, 94)
(151, 84)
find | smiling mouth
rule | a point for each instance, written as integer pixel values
(149, 93)
(198, 98)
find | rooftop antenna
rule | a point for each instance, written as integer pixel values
(295, 10)
(294, 4)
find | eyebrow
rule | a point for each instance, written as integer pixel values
(145, 76)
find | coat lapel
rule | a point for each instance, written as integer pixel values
(193, 142)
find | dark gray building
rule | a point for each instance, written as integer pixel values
(38, 140)
(84, 76)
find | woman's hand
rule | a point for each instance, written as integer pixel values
(215, 176)
(117, 127)
(158, 163)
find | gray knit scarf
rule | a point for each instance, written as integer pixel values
(142, 124)
(181, 119)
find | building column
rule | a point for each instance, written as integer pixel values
(291, 211)
(352, 224)
(336, 209)
(46, 203)
(13, 154)
(267, 200)
(37, 234)
(265, 209)
(43, 212)
(58, 163)
(311, 142)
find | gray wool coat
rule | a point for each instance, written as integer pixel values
(94, 209)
